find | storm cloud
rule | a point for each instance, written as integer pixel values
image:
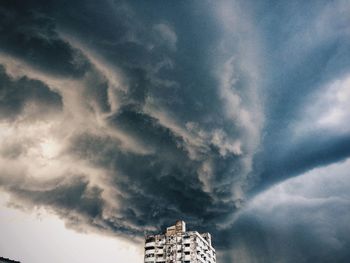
(123, 116)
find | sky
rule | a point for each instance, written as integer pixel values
(119, 117)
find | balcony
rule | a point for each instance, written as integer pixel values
(150, 244)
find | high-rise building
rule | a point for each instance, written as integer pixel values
(178, 246)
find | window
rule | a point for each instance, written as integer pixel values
(150, 239)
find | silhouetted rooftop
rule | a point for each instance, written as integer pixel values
(7, 260)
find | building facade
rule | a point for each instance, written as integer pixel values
(178, 246)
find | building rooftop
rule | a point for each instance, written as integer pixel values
(178, 245)
(180, 228)
(7, 260)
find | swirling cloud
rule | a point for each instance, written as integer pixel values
(121, 116)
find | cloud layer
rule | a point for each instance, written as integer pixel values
(122, 117)
(303, 219)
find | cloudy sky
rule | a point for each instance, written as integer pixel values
(119, 117)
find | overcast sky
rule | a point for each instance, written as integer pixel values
(119, 117)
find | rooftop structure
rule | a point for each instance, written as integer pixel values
(7, 260)
(177, 245)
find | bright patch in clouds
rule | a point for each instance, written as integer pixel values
(334, 105)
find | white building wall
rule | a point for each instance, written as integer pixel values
(179, 246)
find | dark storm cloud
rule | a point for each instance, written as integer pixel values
(308, 221)
(171, 110)
(309, 47)
(259, 240)
(31, 35)
(17, 94)
(158, 80)
(311, 152)
(73, 195)
(156, 187)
